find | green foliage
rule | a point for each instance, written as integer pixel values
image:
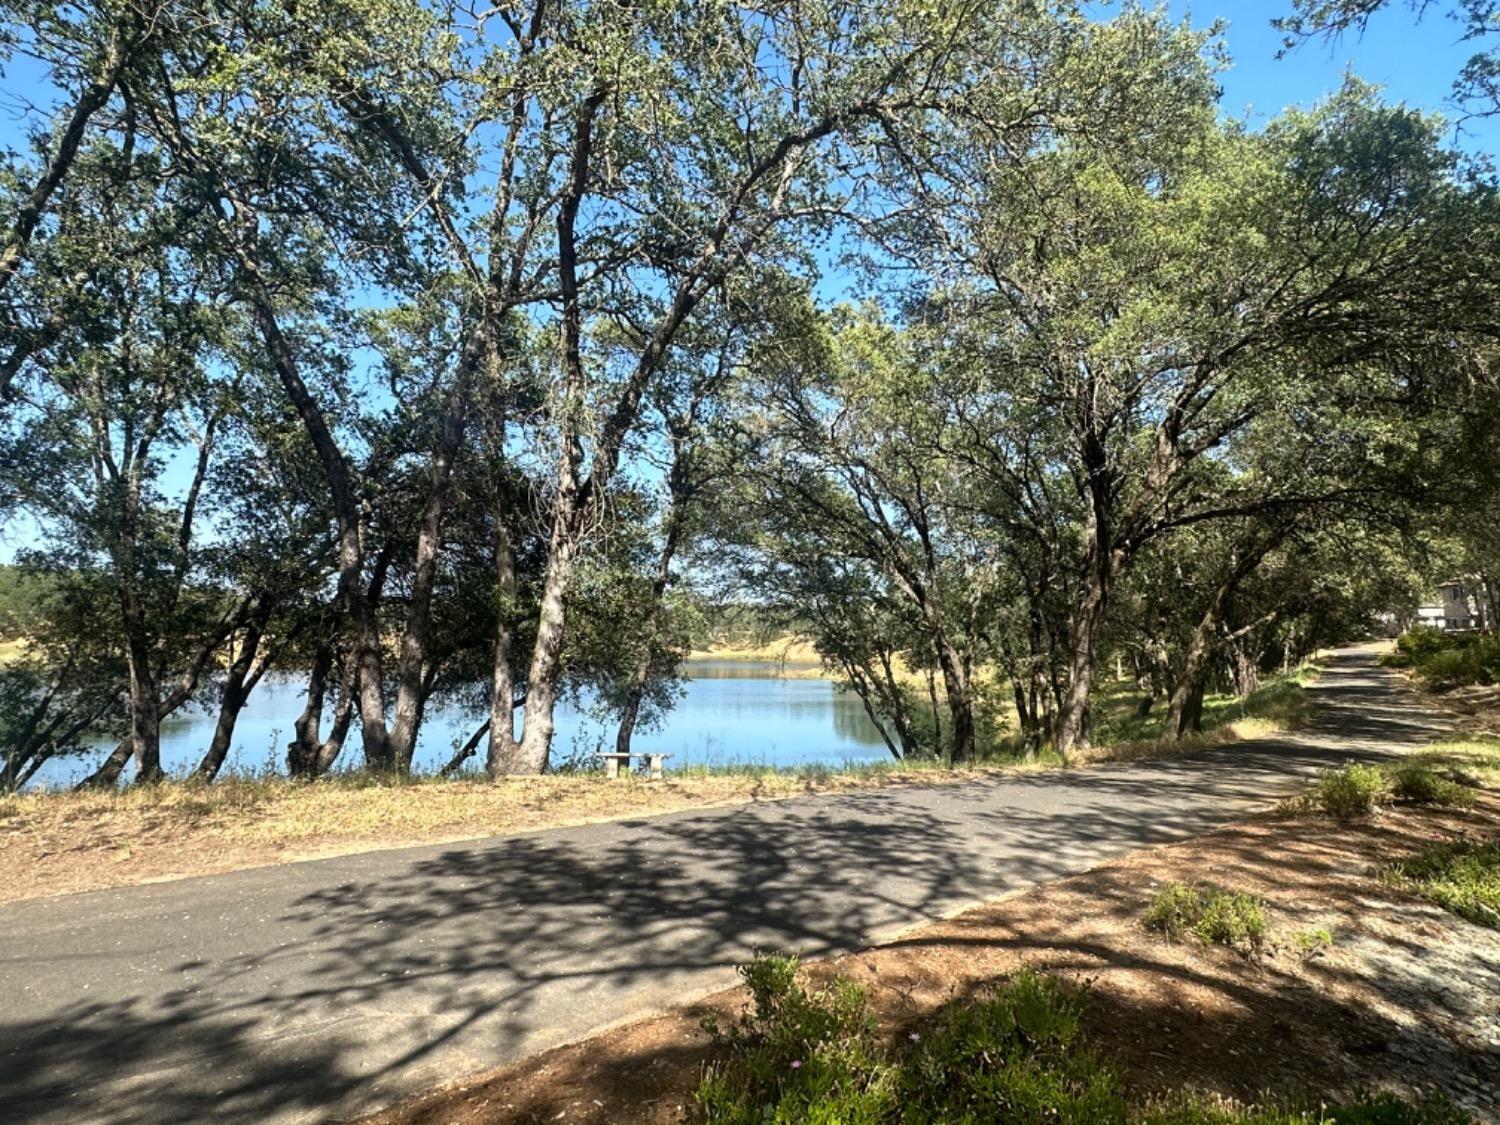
(1351, 791)
(1462, 876)
(1011, 1054)
(1215, 916)
(1443, 660)
(1311, 942)
(1014, 1053)
(1364, 1109)
(1423, 785)
(798, 1056)
(1422, 641)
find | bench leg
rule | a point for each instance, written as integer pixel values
(656, 768)
(612, 768)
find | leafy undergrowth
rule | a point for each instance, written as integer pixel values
(1446, 774)
(1214, 915)
(1012, 1053)
(1461, 875)
(1281, 704)
(1443, 661)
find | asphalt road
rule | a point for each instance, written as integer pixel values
(316, 990)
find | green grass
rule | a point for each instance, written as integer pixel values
(1214, 915)
(1281, 703)
(1475, 757)
(1014, 1053)
(1462, 876)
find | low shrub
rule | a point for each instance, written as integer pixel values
(1423, 641)
(1312, 942)
(1423, 785)
(798, 1055)
(1014, 1053)
(1351, 791)
(1443, 661)
(1215, 916)
(1462, 876)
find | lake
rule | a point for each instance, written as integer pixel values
(731, 711)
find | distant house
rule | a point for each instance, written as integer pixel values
(1455, 605)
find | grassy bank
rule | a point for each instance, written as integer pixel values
(55, 842)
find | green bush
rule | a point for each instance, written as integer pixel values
(1423, 785)
(1350, 792)
(1014, 1054)
(1423, 641)
(1009, 1055)
(1216, 916)
(798, 1056)
(1444, 661)
(1462, 876)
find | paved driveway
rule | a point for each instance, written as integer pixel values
(315, 990)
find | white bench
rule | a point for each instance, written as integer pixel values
(614, 760)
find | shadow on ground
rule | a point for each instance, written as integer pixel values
(323, 988)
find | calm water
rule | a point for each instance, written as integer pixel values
(732, 711)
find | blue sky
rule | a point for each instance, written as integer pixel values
(1413, 60)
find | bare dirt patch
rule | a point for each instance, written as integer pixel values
(1403, 1000)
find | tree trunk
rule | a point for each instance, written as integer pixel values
(503, 749)
(1192, 710)
(145, 715)
(630, 714)
(539, 720)
(309, 755)
(960, 703)
(1072, 716)
(1185, 711)
(236, 690)
(413, 660)
(1244, 667)
(109, 771)
(302, 751)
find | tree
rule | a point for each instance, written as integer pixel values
(1139, 300)
(1476, 88)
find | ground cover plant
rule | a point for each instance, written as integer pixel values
(1214, 915)
(1461, 875)
(1443, 660)
(1012, 1052)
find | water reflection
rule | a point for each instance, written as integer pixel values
(731, 711)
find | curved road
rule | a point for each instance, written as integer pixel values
(317, 990)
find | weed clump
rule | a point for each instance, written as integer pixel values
(1215, 916)
(1423, 785)
(1462, 876)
